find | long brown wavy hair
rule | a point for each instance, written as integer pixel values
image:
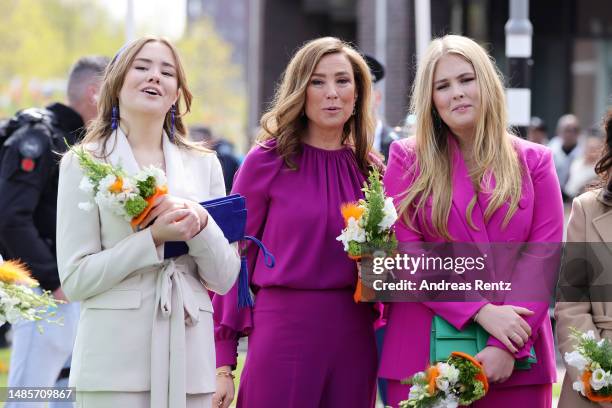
(603, 166)
(100, 128)
(285, 122)
(493, 152)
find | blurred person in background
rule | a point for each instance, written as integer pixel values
(28, 203)
(582, 171)
(566, 147)
(384, 134)
(537, 131)
(588, 236)
(223, 148)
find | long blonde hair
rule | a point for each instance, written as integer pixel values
(493, 151)
(285, 121)
(100, 128)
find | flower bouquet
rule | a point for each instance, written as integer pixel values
(459, 381)
(17, 299)
(593, 359)
(369, 221)
(130, 197)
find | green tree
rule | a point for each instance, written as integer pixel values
(216, 82)
(41, 40)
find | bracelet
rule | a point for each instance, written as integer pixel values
(228, 374)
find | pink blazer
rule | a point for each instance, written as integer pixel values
(539, 218)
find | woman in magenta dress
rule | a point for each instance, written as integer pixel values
(310, 344)
(466, 178)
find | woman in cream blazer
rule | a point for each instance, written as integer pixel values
(589, 240)
(145, 335)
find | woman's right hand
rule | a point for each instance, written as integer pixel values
(224, 394)
(176, 225)
(506, 324)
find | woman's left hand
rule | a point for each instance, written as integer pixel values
(498, 364)
(168, 203)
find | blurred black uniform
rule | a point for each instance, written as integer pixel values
(29, 170)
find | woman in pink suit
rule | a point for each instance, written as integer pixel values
(466, 178)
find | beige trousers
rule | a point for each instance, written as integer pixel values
(103, 399)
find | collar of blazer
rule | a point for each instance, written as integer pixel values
(603, 222)
(121, 155)
(602, 199)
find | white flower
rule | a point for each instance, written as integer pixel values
(578, 386)
(590, 335)
(128, 185)
(156, 172)
(352, 232)
(417, 392)
(86, 185)
(449, 402)
(86, 206)
(608, 378)
(442, 383)
(577, 360)
(450, 372)
(106, 182)
(390, 215)
(598, 379)
(601, 342)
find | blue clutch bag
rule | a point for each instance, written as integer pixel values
(230, 214)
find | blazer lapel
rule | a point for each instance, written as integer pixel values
(175, 170)
(463, 192)
(120, 153)
(603, 226)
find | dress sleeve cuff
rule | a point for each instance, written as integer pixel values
(227, 352)
(523, 352)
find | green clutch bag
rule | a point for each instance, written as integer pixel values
(445, 339)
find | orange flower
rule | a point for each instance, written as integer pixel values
(351, 210)
(16, 272)
(117, 186)
(432, 374)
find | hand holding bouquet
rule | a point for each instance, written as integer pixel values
(459, 381)
(370, 222)
(593, 359)
(129, 197)
(17, 299)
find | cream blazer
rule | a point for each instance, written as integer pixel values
(146, 323)
(590, 221)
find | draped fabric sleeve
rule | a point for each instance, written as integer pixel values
(546, 227)
(253, 180)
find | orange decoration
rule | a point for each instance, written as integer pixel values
(480, 376)
(432, 374)
(117, 186)
(351, 210)
(586, 381)
(159, 191)
(15, 271)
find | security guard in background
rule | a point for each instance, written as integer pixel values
(383, 134)
(29, 167)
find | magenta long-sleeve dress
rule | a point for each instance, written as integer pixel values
(309, 344)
